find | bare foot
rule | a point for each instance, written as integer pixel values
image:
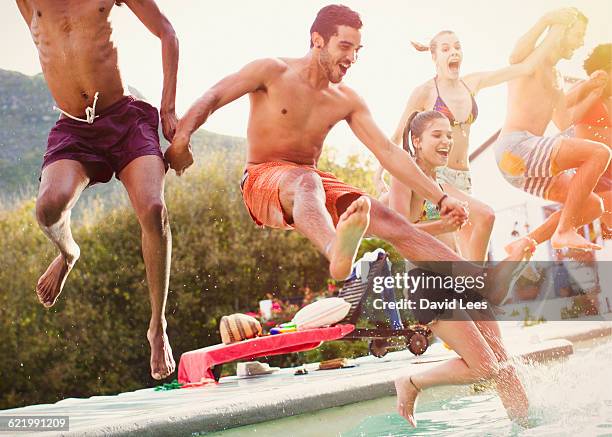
(519, 248)
(572, 240)
(406, 398)
(349, 232)
(52, 282)
(500, 277)
(162, 361)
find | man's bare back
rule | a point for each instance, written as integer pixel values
(78, 58)
(289, 118)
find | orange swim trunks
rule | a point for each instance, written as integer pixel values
(261, 187)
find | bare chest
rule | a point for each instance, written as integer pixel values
(65, 19)
(298, 106)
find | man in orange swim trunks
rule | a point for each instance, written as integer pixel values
(294, 104)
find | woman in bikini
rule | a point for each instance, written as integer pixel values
(592, 116)
(454, 96)
(475, 336)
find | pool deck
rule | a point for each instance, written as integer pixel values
(242, 401)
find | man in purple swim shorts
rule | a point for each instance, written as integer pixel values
(102, 131)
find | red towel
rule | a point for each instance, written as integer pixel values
(197, 364)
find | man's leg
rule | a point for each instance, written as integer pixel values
(143, 179)
(61, 184)
(476, 362)
(411, 243)
(509, 386)
(302, 198)
(591, 210)
(417, 246)
(590, 159)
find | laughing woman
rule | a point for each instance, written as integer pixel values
(475, 336)
(454, 96)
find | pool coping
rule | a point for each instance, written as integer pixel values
(237, 402)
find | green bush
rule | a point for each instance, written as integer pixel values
(93, 341)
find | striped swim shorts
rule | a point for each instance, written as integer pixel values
(525, 160)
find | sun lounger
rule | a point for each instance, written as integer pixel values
(207, 362)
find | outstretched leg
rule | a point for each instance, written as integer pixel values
(411, 243)
(62, 182)
(477, 362)
(590, 160)
(592, 208)
(302, 198)
(143, 179)
(509, 386)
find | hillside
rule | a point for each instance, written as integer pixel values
(27, 115)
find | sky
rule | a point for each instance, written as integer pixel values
(218, 37)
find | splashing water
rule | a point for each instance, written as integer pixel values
(567, 398)
(570, 397)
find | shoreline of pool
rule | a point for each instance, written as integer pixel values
(237, 401)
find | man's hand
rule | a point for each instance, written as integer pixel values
(455, 208)
(179, 155)
(564, 16)
(168, 122)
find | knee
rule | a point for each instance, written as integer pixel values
(485, 216)
(594, 206)
(49, 208)
(309, 182)
(154, 217)
(602, 155)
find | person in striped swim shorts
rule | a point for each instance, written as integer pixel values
(538, 164)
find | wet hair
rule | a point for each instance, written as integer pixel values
(599, 59)
(415, 126)
(433, 44)
(581, 17)
(330, 17)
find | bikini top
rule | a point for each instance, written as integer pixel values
(429, 211)
(597, 115)
(441, 107)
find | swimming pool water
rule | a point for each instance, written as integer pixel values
(572, 397)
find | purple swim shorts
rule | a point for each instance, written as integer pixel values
(124, 131)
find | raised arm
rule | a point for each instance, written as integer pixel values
(587, 88)
(579, 110)
(561, 116)
(26, 10)
(527, 42)
(157, 23)
(526, 67)
(416, 102)
(397, 161)
(250, 78)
